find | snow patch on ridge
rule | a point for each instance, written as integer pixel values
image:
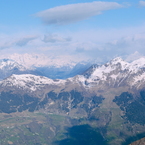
(30, 82)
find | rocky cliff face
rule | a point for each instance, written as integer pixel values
(139, 142)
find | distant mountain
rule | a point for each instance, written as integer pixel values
(9, 67)
(134, 56)
(63, 72)
(41, 60)
(51, 67)
(115, 73)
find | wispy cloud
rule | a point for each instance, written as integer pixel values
(25, 40)
(93, 44)
(5, 45)
(142, 3)
(53, 38)
(67, 14)
(12, 41)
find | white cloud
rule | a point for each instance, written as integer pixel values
(142, 3)
(67, 14)
(96, 44)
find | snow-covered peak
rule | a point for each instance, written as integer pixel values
(116, 60)
(139, 62)
(10, 64)
(116, 71)
(29, 82)
(29, 78)
(103, 70)
(121, 65)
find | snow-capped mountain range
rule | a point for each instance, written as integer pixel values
(40, 60)
(115, 73)
(110, 96)
(51, 67)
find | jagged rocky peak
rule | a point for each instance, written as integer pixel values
(117, 64)
(98, 70)
(117, 72)
(116, 60)
(90, 70)
(114, 64)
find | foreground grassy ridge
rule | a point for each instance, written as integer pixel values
(30, 128)
(37, 128)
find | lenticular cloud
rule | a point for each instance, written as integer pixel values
(67, 14)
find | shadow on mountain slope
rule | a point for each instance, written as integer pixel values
(82, 135)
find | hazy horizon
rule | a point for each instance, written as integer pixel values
(76, 29)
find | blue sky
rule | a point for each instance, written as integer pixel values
(76, 28)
